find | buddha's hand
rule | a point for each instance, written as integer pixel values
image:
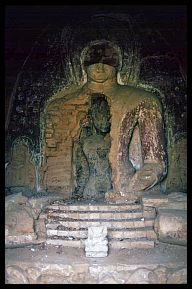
(145, 178)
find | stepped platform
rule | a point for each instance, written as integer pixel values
(129, 226)
(135, 255)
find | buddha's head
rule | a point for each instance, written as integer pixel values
(101, 61)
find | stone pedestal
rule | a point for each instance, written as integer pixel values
(97, 244)
(171, 226)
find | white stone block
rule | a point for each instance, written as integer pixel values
(97, 244)
(96, 254)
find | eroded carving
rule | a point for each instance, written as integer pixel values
(93, 157)
(20, 172)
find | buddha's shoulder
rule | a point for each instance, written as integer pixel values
(135, 94)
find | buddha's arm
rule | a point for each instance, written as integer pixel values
(150, 122)
(152, 135)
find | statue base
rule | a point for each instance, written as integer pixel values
(117, 198)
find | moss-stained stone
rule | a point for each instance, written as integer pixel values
(20, 172)
(177, 171)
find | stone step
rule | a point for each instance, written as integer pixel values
(114, 234)
(66, 243)
(114, 224)
(68, 233)
(96, 215)
(94, 207)
(117, 244)
(130, 234)
(132, 244)
(154, 200)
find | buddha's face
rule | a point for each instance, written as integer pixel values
(100, 72)
(101, 121)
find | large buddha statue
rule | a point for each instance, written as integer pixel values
(130, 107)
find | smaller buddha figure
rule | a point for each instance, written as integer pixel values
(96, 149)
(20, 172)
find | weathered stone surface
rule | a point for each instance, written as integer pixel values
(153, 266)
(151, 235)
(97, 233)
(97, 254)
(81, 278)
(22, 222)
(12, 240)
(135, 149)
(154, 200)
(38, 203)
(66, 243)
(33, 272)
(95, 207)
(62, 126)
(101, 215)
(177, 173)
(18, 201)
(108, 279)
(19, 221)
(126, 225)
(176, 200)
(40, 228)
(149, 212)
(171, 226)
(69, 234)
(140, 276)
(178, 277)
(96, 247)
(159, 275)
(81, 268)
(14, 199)
(131, 244)
(129, 234)
(121, 198)
(110, 224)
(118, 152)
(16, 275)
(52, 278)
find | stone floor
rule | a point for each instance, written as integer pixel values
(45, 264)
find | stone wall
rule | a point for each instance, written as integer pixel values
(177, 170)
(62, 129)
